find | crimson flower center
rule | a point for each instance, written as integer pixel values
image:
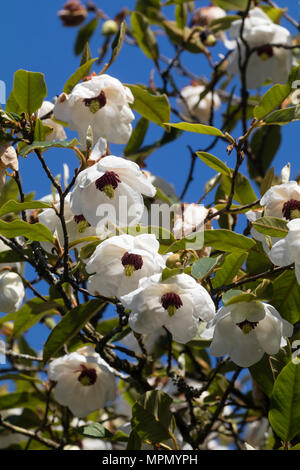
(291, 209)
(87, 376)
(100, 100)
(171, 301)
(130, 259)
(247, 326)
(79, 218)
(265, 51)
(110, 178)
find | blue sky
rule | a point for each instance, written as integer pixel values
(35, 40)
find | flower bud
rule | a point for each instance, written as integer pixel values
(73, 13)
(173, 261)
(109, 27)
(7, 328)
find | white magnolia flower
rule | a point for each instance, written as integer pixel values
(8, 159)
(120, 262)
(11, 291)
(247, 330)
(77, 226)
(190, 218)
(287, 250)
(267, 61)
(205, 15)
(58, 132)
(192, 106)
(101, 102)
(150, 341)
(282, 200)
(167, 188)
(111, 190)
(84, 381)
(179, 303)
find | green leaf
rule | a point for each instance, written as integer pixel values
(17, 377)
(181, 14)
(69, 326)
(29, 90)
(82, 72)
(284, 116)
(137, 137)
(215, 163)
(18, 228)
(222, 24)
(229, 268)
(267, 369)
(243, 191)
(12, 105)
(144, 36)
(32, 312)
(44, 146)
(14, 206)
(267, 182)
(232, 4)
(19, 400)
(152, 419)
(116, 45)
(284, 414)
(204, 267)
(155, 108)
(271, 100)
(41, 131)
(134, 442)
(167, 273)
(286, 296)
(9, 191)
(11, 256)
(96, 431)
(84, 35)
(180, 36)
(87, 250)
(86, 54)
(225, 240)
(271, 226)
(197, 128)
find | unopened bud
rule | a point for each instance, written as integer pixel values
(173, 261)
(7, 328)
(109, 27)
(73, 13)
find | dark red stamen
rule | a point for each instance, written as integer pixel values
(101, 98)
(247, 324)
(130, 259)
(170, 299)
(265, 50)
(87, 376)
(79, 218)
(110, 178)
(289, 207)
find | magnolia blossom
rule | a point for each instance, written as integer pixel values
(150, 341)
(179, 303)
(190, 218)
(247, 330)
(282, 200)
(84, 381)
(193, 106)
(111, 190)
(58, 132)
(287, 250)
(101, 102)
(77, 226)
(267, 61)
(11, 291)
(167, 188)
(120, 262)
(8, 159)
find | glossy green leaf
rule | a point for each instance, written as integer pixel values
(271, 100)
(14, 206)
(225, 240)
(32, 312)
(229, 268)
(144, 36)
(286, 296)
(204, 267)
(284, 116)
(19, 228)
(214, 163)
(44, 146)
(197, 128)
(82, 72)
(284, 414)
(232, 4)
(137, 137)
(19, 400)
(84, 35)
(155, 108)
(265, 143)
(29, 90)
(69, 326)
(271, 226)
(41, 131)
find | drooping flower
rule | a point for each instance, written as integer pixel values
(58, 132)
(179, 303)
(193, 106)
(8, 159)
(190, 218)
(287, 250)
(84, 381)
(247, 330)
(120, 262)
(11, 291)
(111, 190)
(282, 200)
(267, 61)
(101, 102)
(77, 226)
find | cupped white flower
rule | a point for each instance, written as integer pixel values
(85, 382)
(190, 218)
(287, 250)
(45, 114)
(282, 200)
(179, 303)
(120, 262)
(267, 61)
(101, 102)
(192, 106)
(77, 226)
(11, 291)
(247, 330)
(8, 159)
(111, 191)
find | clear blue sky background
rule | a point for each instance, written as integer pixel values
(34, 39)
